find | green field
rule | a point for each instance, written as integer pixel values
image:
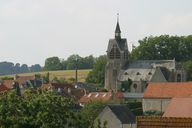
(82, 74)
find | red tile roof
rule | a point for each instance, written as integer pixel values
(119, 94)
(179, 107)
(3, 88)
(163, 122)
(168, 90)
(96, 96)
(8, 83)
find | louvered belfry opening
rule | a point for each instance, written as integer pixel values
(115, 53)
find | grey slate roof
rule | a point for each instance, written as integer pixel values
(120, 43)
(117, 30)
(136, 74)
(148, 64)
(123, 113)
(138, 70)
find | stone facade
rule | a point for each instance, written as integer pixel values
(119, 68)
(155, 104)
(112, 119)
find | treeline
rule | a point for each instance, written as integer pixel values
(164, 47)
(51, 64)
(71, 63)
(7, 68)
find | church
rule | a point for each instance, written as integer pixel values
(139, 73)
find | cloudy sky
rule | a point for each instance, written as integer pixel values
(32, 30)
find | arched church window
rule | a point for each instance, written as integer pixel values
(178, 77)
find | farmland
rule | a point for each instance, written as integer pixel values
(82, 74)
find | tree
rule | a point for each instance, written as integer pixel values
(24, 68)
(43, 109)
(52, 63)
(188, 67)
(35, 68)
(164, 47)
(40, 109)
(125, 85)
(73, 61)
(97, 75)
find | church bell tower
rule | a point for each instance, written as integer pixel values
(117, 58)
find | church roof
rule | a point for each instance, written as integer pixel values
(120, 43)
(145, 70)
(136, 74)
(148, 64)
(142, 74)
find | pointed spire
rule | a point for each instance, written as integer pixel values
(117, 30)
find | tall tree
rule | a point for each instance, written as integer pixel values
(52, 63)
(164, 47)
(35, 68)
(97, 75)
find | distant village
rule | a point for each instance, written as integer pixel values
(137, 93)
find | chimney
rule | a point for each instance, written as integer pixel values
(85, 92)
(69, 90)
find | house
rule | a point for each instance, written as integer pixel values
(179, 107)
(163, 122)
(87, 87)
(117, 116)
(120, 68)
(95, 96)
(28, 81)
(3, 88)
(67, 90)
(8, 83)
(158, 95)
